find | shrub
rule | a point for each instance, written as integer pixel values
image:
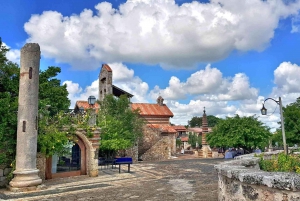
(283, 163)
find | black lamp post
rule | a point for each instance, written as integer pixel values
(264, 112)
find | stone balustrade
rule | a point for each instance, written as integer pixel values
(241, 179)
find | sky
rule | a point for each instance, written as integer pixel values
(225, 55)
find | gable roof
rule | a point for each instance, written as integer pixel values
(118, 92)
(147, 109)
(179, 128)
(86, 105)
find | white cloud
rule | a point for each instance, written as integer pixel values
(295, 24)
(158, 31)
(286, 77)
(210, 84)
(76, 92)
(13, 54)
(123, 78)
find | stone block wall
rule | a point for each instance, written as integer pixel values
(159, 151)
(242, 180)
(41, 165)
(4, 171)
(150, 137)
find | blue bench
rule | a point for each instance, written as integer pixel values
(124, 160)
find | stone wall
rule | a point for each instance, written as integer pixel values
(41, 165)
(161, 150)
(150, 137)
(4, 171)
(242, 180)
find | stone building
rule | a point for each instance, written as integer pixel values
(159, 136)
(159, 140)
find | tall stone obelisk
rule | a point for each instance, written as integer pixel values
(26, 173)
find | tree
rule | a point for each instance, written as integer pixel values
(50, 93)
(291, 115)
(197, 121)
(194, 139)
(245, 132)
(9, 89)
(120, 125)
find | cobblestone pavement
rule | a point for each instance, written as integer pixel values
(176, 179)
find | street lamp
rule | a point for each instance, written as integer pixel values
(264, 112)
(91, 100)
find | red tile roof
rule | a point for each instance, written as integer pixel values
(179, 128)
(86, 105)
(148, 109)
(107, 67)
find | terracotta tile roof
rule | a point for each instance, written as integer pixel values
(148, 109)
(184, 139)
(86, 105)
(179, 128)
(165, 128)
(107, 67)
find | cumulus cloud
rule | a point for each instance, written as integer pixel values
(286, 77)
(125, 79)
(158, 31)
(13, 54)
(210, 84)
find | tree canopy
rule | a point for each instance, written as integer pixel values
(245, 132)
(120, 125)
(291, 115)
(50, 93)
(197, 121)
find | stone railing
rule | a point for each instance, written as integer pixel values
(241, 179)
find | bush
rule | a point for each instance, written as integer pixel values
(283, 163)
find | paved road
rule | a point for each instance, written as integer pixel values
(178, 179)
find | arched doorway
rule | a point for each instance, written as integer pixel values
(72, 162)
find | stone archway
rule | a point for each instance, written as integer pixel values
(88, 157)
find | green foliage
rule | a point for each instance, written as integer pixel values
(245, 132)
(291, 114)
(178, 142)
(50, 93)
(52, 135)
(120, 126)
(9, 87)
(194, 139)
(283, 163)
(197, 121)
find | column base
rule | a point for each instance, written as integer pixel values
(25, 179)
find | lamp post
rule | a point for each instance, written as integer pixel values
(264, 112)
(91, 101)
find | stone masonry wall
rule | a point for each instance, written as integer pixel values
(4, 171)
(150, 137)
(159, 151)
(242, 180)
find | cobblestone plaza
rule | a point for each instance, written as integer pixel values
(183, 178)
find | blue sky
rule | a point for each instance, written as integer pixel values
(225, 55)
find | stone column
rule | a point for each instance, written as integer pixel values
(26, 173)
